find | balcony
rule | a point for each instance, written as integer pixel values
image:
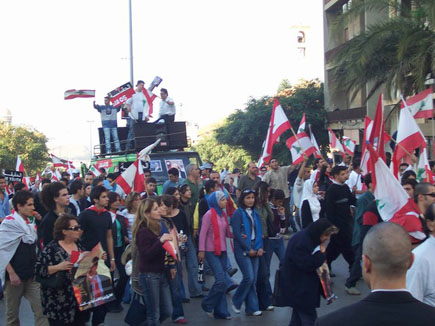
(350, 114)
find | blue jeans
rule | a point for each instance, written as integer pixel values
(157, 297)
(114, 132)
(216, 299)
(246, 292)
(264, 289)
(195, 288)
(174, 286)
(130, 135)
(274, 246)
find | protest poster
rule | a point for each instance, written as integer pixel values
(92, 283)
(120, 95)
(156, 166)
(325, 280)
(104, 164)
(178, 164)
(13, 176)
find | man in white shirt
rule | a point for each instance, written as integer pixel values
(167, 107)
(355, 181)
(138, 110)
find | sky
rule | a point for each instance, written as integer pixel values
(212, 56)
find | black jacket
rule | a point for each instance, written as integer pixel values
(301, 282)
(382, 309)
(337, 203)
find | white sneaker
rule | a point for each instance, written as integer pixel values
(237, 311)
(257, 313)
(270, 308)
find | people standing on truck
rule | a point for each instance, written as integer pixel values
(109, 123)
(167, 107)
(137, 109)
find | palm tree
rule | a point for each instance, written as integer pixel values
(398, 53)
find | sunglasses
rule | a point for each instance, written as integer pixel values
(431, 194)
(248, 191)
(74, 228)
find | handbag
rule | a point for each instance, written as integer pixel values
(136, 314)
(54, 281)
(278, 299)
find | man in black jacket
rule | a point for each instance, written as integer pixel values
(386, 258)
(338, 210)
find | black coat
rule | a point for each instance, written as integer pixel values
(382, 309)
(300, 280)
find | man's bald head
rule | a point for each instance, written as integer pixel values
(388, 247)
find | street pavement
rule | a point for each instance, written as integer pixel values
(196, 316)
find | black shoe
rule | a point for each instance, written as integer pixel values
(232, 271)
(199, 296)
(185, 300)
(205, 289)
(332, 275)
(232, 287)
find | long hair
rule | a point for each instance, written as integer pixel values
(261, 189)
(142, 217)
(130, 200)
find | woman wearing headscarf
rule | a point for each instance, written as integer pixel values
(213, 247)
(301, 284)
(310, 204)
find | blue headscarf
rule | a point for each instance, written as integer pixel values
(213, 200)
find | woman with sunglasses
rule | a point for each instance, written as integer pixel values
(59, 304)
(248, 247)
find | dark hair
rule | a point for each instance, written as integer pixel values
(356, 163)
(19, 186)
(2, 177)
(243, 195)
(278, 194)
(96, 193)
(411, 182)
(431, 164)
(421, 189)
(368, 179)
(62, 223)
(430, 213)
(111, 176)
(140, 82)
(183, 188)
(96, 181)
(50, 192)
(103, 170)
(261, 190)
(403, 164)
(168, 200)
(209, 185)
(20, 198)
(164, 90)
(75, 186)
(86, 185)
(147, 170)
(45, 181)
(150, 180)
(170, 191)
(174, 172)
(113, 197)
(89, 173)
(408, 173)
(64, 174)
(336, 170)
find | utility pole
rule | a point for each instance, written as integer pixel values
(131, 42)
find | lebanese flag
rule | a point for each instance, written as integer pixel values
(301, 127)
(132, 178)
(94, 170)
(55, 175)
(376, 138)
(317, 153)
(27, 182)
(299, 146)
(368, 126)
(61, 163)
(335, 143)
(424, 173)
(75, 93)
(278, 124)
(409, 135)
(421, 105)
(19, 166)
(150, 97)
(9, 191)
(170, 249)
(349, 145)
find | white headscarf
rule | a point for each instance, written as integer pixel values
(307, 194)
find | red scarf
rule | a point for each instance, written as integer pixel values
(98, 211)
(216, 231)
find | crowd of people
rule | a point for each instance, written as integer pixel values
(196, 223)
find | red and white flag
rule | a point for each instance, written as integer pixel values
(19, 166)
(376, 138)
(368, 125)
(301, 127)
(278, 124)
(61, 163)
(317, 153)
(424, 173)
(94, 170)
(299, 146)
(150, 97)
(421, 105)
(55, 175)
(75, 93)
(132, 178)
(349, 145)
(335, 143)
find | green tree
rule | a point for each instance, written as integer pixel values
(222, 155)
(28, 143)
(247, 128)
(398, 53)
